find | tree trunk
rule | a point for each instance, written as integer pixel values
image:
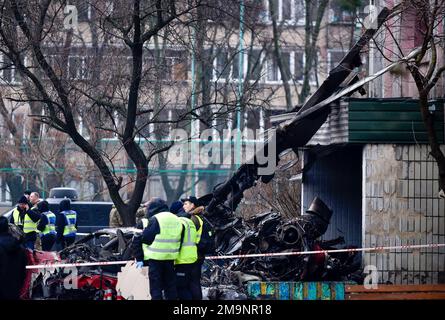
(310, 45)
(436, 152)
(284, 70)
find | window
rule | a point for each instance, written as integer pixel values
(299, 65)
(83, 10)
(253, 119)
(8, 72)
(172, 66)
(294, 61)
(289, 11)
(108, 8)
(273, 71)
(334, 58)
(222, 69)
(255, 64)
(300, 12)
(56, 64)
(341, 13)
(144, 123)
(226, 65)
(78, 68)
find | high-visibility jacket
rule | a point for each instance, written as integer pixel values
(145, 246)
(50, 228)
(189, 252)
(16, 216)
(199, 231)
(29, 225)
(70, 227)
(166, 244)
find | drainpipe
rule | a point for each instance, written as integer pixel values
(240, 85)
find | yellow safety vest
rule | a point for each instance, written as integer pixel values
(70, 227)
(167, 243)
(50, 228)
(189, 252)
(16, 216)
(199, 231)
(29, 225)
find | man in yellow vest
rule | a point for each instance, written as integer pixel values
(46, 226)
(18, 214)
(161, 243)
(66, 225)
(30, 222)
(188, 255)
(205, 242)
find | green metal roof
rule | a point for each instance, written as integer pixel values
(391, 121)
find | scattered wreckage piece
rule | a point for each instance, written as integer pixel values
(133, 283)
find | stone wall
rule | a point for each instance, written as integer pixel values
(401, 206)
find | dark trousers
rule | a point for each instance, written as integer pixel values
(64, 242)
(30, 240)
(183, 281)
(69, 240)
(195, 280)
(29, 244)
(48, 242)
(162, 279)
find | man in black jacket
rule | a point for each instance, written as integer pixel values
(18, 214)
(63, 240)
(205, 246)
(31, 220)
(12, 263)
(46, 226)
(178, 209)
(193, 209)
(161, 271)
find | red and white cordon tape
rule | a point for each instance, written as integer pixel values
(238, 256)
(293, 253)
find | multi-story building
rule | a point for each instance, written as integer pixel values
(183, 67)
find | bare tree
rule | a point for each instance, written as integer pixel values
(68, 79)
(426, 20)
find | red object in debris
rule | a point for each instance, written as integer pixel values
(318, 258)
(36, 258)
(108, 295)
(94, 281)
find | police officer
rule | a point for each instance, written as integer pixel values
(30, 221)
(46, 226)
(18, 214)
(161, 242)
(188, 255)
(66, 224)
(205, 242)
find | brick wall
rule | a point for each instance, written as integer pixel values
(400, 206)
